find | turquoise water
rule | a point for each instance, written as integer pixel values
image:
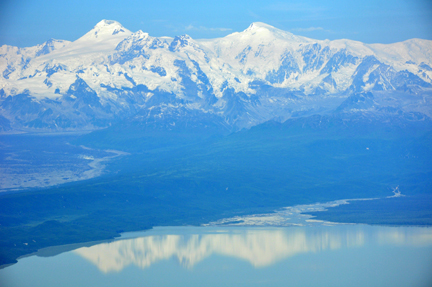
(340, 255)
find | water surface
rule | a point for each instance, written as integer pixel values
(340, 255)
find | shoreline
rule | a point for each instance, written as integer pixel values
(306, 216)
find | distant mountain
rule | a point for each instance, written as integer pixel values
(113, 77)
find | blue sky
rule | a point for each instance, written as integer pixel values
(29, 22)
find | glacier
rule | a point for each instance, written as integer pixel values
(111, 75)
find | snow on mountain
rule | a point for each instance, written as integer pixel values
(413, 50)
(100, 41)
(244, 78)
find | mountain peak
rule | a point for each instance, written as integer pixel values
(50, 45)
(106, 23)
(109, 27)
(266, 31)
(263, 27)
(180, 41)
(140, 34)
(104, 29)
(258, 25)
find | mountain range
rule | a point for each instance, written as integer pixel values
(114, 77)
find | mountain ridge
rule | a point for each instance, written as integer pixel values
(244, 78)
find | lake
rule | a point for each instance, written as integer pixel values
(319, 255)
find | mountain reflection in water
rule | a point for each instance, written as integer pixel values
(260, 247)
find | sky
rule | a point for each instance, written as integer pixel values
(25, 23)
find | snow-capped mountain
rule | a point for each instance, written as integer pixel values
(111, 74)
